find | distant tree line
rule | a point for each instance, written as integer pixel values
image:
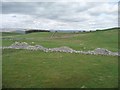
(37, 30)
(33, 30)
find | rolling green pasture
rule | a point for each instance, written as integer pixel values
(78, 41)
(37, 69)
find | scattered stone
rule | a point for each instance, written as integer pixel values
(32, 42)
(20, 45)
(62, 49)
(83, 86)
(24, 45)
(101, 51)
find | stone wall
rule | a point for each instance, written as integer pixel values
(24, 45)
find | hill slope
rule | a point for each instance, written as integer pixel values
(79, 41)
(37, 69)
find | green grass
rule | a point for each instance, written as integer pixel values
(37, 69)
(9, 33)
(4, 42)
(78, 41)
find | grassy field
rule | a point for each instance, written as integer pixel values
(78, 41)
(37, 69)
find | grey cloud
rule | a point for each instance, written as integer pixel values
(63, 12)
(50, 10)
(25, 7)
(18, 7)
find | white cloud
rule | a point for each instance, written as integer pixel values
(60, 0)
(63, 15)
(104, 8)
(14, 20)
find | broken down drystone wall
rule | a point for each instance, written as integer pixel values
(24, 45)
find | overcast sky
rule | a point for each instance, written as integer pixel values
(59, 15)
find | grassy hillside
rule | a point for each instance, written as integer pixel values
(9, 33)
(79, 41)
(37, 69)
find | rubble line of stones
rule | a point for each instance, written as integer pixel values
(61, 49)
